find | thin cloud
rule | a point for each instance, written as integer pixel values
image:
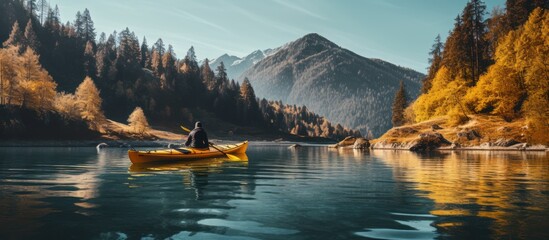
(199, 19)
(299, 9)
(281, 27)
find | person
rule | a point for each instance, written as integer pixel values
(197, 137)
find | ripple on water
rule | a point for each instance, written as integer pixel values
(247, 226)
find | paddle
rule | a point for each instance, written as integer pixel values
(230, 156)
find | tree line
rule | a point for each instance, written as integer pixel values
(42, 67)
(496, 65)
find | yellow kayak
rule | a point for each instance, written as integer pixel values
(148, 156)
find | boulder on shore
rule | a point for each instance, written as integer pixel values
(428, 141)
(353, 142)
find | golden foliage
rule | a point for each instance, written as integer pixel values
(137, 121)
(89, 103)
(445, 94)
(24, 82)
(518, 82)
(65, 104)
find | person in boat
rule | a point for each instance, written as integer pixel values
(198, 138)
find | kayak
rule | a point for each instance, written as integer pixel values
(173, 154)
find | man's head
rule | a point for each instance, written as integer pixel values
(198, 124)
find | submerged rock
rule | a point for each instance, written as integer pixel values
(294, 146)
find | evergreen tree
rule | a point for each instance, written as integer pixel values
(168, 64)
(156, 57)
(31, 8)
(30, 39)
(42, 7)
(435, 61)
(90, 67)
(88, 30)
(251, 107)
(207, 75)
(79, 25)
(128, 53)
(399, 104)
(145, 55)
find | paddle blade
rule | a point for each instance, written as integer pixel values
(185, 129)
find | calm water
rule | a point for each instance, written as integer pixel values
(307, 193)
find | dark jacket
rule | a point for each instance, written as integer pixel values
(197, 138)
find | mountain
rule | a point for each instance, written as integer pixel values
(236, 66)
(334, 82)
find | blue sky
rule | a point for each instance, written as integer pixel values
(398, 31)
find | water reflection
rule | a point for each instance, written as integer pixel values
(503, 193)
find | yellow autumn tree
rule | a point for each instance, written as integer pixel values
(137, 120)
(445, 94)
(65, 104)
(36, 88)
(8, 84)
(89, 103)
(518, 82)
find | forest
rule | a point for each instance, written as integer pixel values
(67, 71)
(496, 66)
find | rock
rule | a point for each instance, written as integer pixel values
(505, 142)
(520, 146)
(294, 146)
(435, 127)
(486, 145)
(361, 143)
(468, 134)
(429, 141)
(455, 145)
(348, 141)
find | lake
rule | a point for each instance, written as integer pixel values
(277, 193)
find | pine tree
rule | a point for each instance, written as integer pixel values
(137, 121)
(31, 8)
(79, 25)
(251, 107)
(30, 39)
(42, 7)
(90, 67)
(435, 61)
(16, 37)
(145, 55)
(156, 57)
(168, 64)
(207, 75)
(88, 29)
(399, 104)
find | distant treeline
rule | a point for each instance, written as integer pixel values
(43, 62)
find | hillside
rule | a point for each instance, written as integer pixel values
(236, 66)
(334, 82)
(481, 132)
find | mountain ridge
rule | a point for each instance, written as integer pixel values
(335, 82)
